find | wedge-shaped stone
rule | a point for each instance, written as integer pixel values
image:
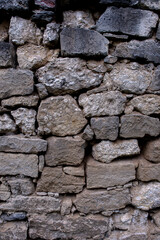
(20, 144)
(106, 151)
(101, 104)
(147, 104)
(137, 126)
(4, 192)
(94, 201)
(146, 196)
(55, 180)
(152, 151)
(146, 50)
(5, 55)
(14, 164)
(32, 204)
(14, 230)
(151, 4)
(60, 116)
(74, 227)
(6, 124)
(15, 82)
(130, 21)
(66, 150)
(101, 175)
(67, 75)
(82, 42)
(148, 171)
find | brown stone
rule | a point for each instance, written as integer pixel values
(152, 150)
(4, 26)
(75, 171)
(14, 230)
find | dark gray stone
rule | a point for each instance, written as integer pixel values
(148, 50)
(14, 216)
(158, 32)
(42, 16)
(120, 2)
(51, 34)
(105, 128)
(14, 5)
(82, 42)
(5, 55)
(130, 21)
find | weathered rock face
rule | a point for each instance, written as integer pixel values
(136, 126)
(60, 116)
(130, 21)
(5, 55)
(51, 35)
(122, 2)
(14, 230)
(6, 124)
(75, 171)
(106, 151)
(151, 4)
(100, 104)
(68, 150)
(14, 5)
(4, 192)
(67, 75)
(4, 26)
(158, 32)
(82, 42)
(152, 151)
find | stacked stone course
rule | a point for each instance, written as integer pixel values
(79, 120)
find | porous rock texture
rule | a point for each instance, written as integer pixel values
(79, 120)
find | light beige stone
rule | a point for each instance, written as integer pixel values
(97, 66)
(4, 192)
(75, 171)
(14, 230)
(60, 116)
(152, 150)
(4, 26)
(6, 124)
(66, 206)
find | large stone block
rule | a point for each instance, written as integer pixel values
(101, 104)
(148, 50)
(14, 164)
(13, 230)
(6, 124)
(106, 151)
(60, 116)
(15, 82)
(5, 55)
(67, 75)
(55, 180)
(82, 42)
(137, 126)
(66, 150)
(101, 175)
(152, 151)
(130, 21)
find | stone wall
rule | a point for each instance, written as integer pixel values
(79, 120)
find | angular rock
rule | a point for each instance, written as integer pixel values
(158, 32)
(25, 119)
(51, 34)
(65, 151)
(78, 19)
(151, 4)
(55, 180)
(42, 16)
(4, 26)
(25, 101)
(147, 104)
(66, 206)
(110, 59)
(45, 4)
(69, 227)
(101, 175)
(137, 126)
(155, 84)
(5, 55)
(41, 163)
(6, 124)
(156, 218)
(42, 91)
(94, 201)
(148, 171)
(120, 2)
(15, 82)
(32, 204)
(97, 66)
(106, 151)
(22, 31)
(67, 75)
(106, 127)
(146, 196)
(148, 50)
(75, 171)
(14, 230)
(60, 116)
(14, 216)
(14, 6)
(101, 104)
(88, 133)
(82, 42)
(131, 78)
(134, 22)
(4, 192)
(152, 151)
(20, 144)
(13, 164)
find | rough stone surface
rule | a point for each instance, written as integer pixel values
(53, 179)
(51, 35)
(67, 75)
(14, 216)
(158, 32)
(22, 31)
(97, 66)
(82, 42)
(120, 2)
(156, 218)
(146, 196)
(6, 124)
(5, 55)
(60, 116)
(106, 127)
(137, 126)
(13, 230)
(101, 104)
(75, 171)
(19, 144)
(148, 50)
(151, 4)
(45, 4)
(4, 192)
(88, 133)
(42, 91)
(106, 151)
(14, 5)
(68, 150)
(155, 84)
(42, 17)
(25, 119)
(101, 175)
(152, 151)
(4, 26)
(66, 206)
(15, 82)
(14, 164)
(90, 201)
